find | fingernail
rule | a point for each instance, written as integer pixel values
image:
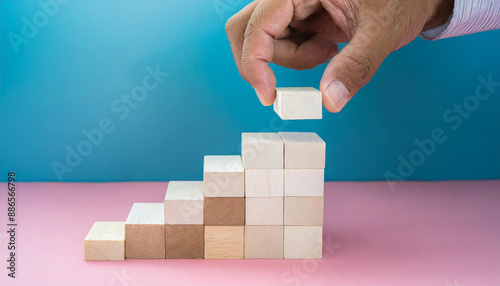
(259, 94)
(338, 94)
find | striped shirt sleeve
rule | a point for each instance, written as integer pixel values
(469, 16)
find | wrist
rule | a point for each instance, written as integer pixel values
(442, 12)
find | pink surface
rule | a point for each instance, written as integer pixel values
(439, 233)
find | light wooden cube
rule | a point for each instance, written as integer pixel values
(304, 182)
(303, 242)
(184, 241)
(145, 231)
(224, 242)
(262, 150)
(105, 241)
(263, 241)
(263, 183)
(303, 150)
(303, 211)
(224, 211)
(298, 103)
(264, 211)
(223, 176)
(184, 202)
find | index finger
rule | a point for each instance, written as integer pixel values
(268, 21)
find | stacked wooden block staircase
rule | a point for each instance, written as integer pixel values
(266, 203)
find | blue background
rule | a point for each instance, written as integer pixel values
(91, 52)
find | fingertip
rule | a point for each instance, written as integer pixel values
(335, 96)
(266, 98)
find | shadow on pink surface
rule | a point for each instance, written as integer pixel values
(425, 233)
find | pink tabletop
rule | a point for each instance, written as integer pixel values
(427, 233)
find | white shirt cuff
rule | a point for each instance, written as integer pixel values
(469, 16)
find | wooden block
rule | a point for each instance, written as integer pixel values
(303, 150)
(105, 241)
(303, 211)
(184, 241)
(303, 242)
(263, 183)
(224, 211)
(145, 231)
(223, 176)
(262, 150)
(264, 211)
(304, 182)
(224, 242)
(184, 202)
(264, 241)
(298, 103)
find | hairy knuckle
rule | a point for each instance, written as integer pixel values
(249, 31)
(361, 68)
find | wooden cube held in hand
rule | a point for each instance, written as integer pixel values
(298, 103)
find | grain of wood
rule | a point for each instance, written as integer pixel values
(224, 242)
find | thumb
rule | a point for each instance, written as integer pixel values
(352, 68)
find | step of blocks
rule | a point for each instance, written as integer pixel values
(223, 176)
(145, 231)
(184, 203)
(262, 151)
(266, 203)
(105, 241)
(303, 150)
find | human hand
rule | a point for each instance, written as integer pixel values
(301, 34)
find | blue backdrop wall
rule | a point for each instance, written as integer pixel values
(69, 68)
